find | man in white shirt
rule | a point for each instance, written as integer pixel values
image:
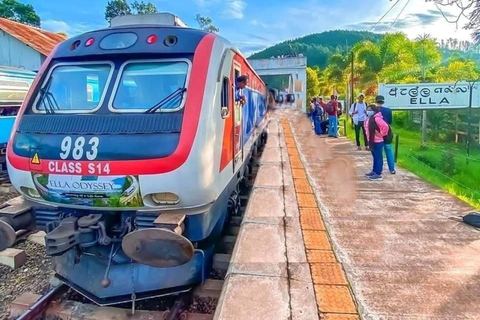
(358, 112)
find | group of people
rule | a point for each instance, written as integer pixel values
(374, 121)
(324, 116)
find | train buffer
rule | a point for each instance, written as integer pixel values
(319, 241)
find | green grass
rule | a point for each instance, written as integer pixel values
(433, 163)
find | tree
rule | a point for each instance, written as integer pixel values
(313, 85)
(463, 7)
(426, 54)
(458, 70)
(116, 8)
(143, 8)
(205, 23)
(19, 12)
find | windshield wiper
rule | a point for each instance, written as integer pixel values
(48, 96)
(175, 94)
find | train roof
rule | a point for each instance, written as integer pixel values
(154, 33)
(167, 39)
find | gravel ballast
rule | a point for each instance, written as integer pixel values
(33, 276)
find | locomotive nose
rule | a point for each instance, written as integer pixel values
(157, 247)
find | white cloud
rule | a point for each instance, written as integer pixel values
(438, 28)
(258, 23)
(71, 29)
(234, 9)
(55, 25)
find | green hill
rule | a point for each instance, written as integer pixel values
(318, 47)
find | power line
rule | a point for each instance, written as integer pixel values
(393, 6)
(399, 14)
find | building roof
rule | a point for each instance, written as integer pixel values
(41, 40)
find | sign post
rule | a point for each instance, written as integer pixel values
(429, 96)
(469, 133)
(433, 96)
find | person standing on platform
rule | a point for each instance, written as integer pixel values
(332, 111)
(376, 129)
(312, 111)
(317, 118)
(358, 112)
(387, 116)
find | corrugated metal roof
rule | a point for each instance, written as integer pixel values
(41, 40)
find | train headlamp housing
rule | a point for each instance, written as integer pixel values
(32, 193)
(165, 198)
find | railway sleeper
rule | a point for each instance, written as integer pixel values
(73, 310)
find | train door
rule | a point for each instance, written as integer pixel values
(237, 121)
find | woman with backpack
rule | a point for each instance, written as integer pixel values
(377, 130)
(332, 110)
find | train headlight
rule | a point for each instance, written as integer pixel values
(32, 193)
(165, 198)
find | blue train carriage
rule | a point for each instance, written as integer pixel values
(14, 85)
(125, 130)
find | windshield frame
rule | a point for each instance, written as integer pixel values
(136, 61)
(72, 64)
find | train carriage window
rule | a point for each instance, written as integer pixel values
(76, 88)
(144, 84)
(225, 97)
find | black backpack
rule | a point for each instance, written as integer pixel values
(388, 139)
(472, 219)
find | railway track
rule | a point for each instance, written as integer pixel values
(197, 304)
(5, 185)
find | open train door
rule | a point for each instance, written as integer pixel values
(237, 121)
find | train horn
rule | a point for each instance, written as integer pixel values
(158, 247)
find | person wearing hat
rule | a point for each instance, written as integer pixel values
(387, 116)
(358, 112)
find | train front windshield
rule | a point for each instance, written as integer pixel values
(134, 86)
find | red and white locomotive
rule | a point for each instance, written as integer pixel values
(124, 129)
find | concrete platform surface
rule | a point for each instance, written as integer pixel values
(403, 257)
(268, 275)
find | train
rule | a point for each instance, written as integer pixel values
(14, 85)
(131, 145)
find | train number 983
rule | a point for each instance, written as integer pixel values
(79, 148)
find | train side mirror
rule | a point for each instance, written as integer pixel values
(224, 112)
(225, 97)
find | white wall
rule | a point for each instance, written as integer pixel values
(14, 53)
(295, 67)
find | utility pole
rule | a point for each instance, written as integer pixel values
(352, 95)
(469, 132)
(424, 113)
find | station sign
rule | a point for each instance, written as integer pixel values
(421, 96)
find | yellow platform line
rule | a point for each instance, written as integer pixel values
(332, 291)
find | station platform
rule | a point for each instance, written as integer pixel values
(319, 241)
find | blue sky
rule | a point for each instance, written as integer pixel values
(255, 24)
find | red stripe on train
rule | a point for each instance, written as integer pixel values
(193, 106)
